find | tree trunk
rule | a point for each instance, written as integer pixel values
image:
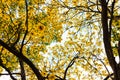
(107, 40)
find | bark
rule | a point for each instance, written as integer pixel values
(107, 40)
(23, 76)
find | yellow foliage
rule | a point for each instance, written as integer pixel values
(57, 31)
(51, 76)
(1, 69)
(44, 73)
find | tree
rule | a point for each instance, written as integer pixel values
(60, 39)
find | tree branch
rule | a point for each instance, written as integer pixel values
(23, 77)
(119, 50)
(69, 65)
(102, 63)
(9, 74)
(111, 19)
(106, 36)
(106, 39)
(3, 66)
(108, 76)
(25, 59)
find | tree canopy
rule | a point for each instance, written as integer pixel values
(60, 39)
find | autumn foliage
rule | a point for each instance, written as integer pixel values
(60, 39)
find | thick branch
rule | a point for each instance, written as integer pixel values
(25, 59)
(106, 35)
(106, 39)
(23, 77)
(111, 18)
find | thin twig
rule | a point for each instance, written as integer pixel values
(69, 65)
(26, 25)
(3, 66)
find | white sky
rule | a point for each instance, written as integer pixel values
(3, 77)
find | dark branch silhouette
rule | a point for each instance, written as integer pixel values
(9, 74)
(69, 65)
(108, 76)
(3, 66)
(25, 59)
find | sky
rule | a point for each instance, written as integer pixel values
(4, 77)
